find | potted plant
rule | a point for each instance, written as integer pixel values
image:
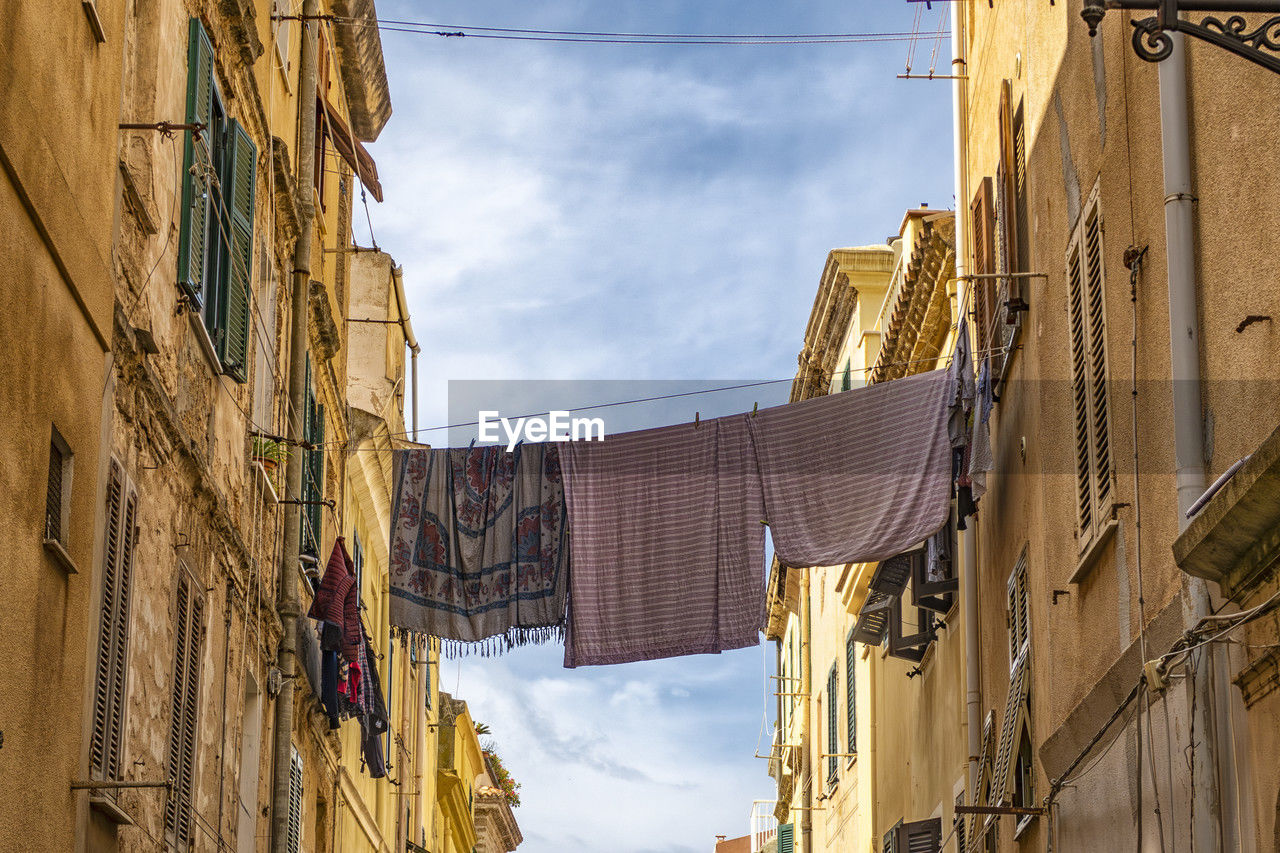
(268, 453)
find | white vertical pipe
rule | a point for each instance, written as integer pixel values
(1188, 422)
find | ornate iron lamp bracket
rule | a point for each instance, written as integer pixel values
(1260, 43)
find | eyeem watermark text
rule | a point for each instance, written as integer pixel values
(556, 426)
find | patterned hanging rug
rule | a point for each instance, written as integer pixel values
(479, 546)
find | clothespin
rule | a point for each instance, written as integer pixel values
(754, 408)
(697, 420)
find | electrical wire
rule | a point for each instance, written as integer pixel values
(603, 34)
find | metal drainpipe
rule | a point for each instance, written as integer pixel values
(1188, 420)
(968, 542)
(806, 767)
(288, 601)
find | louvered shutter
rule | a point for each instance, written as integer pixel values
(891, 839)
(113, 631)
(982, 216)
(53, 495)
(185, 705)
(196, 201)
(1080, 392)
(851, 696)
(233, 342)
(1019, 617)
(786, 838)
(1096, 314)
(833, 715)
(294, 828)
(315, 509)
(921, 836)
(1089, 391)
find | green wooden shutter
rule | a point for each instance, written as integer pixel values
(850, 696)
(833, 715)
(786, 838)
(196, 207)
(315, 511)
(233, 342)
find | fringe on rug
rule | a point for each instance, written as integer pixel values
(493, 646)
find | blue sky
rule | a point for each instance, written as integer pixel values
(623, 212)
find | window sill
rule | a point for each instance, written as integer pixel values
(108, 808)
(60, 556)
(1089, 557)
(204, 342)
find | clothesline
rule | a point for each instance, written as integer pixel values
(944, 361)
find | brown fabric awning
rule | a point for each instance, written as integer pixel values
(358, 159)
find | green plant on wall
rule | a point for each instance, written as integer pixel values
(269, 453)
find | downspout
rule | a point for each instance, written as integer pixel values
(1188, 419)
(397, 275)
(419, 714)
(806, 769)
(288, 602)
(968, 542)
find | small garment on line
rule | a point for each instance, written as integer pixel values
(479, 545)
(337, 603)
(668, 548)
(858, 476)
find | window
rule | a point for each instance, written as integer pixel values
(294, 829)
(188, 634)
(57, 506)
(215, 242)
(113, 628)
(1016, 725)
(283, 30)
(1087, 324)
(850, 696)
(833, 734)
(1001, 241)
(1024, 775)
(312, 515)
(891, 839)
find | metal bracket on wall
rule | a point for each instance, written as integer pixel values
(1151, 42)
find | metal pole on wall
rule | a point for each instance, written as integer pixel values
(287, 595)
(1188, 417)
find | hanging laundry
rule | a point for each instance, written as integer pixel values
(961, 394)
(858, 476)
(479, 545)
(335, 604)
(668, 549)
(981, 461)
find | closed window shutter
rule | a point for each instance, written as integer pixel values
(315, 510)
(1087, 323)
(113, 630)
(833, 715)
(196, 206)
(53, 496)
(1097, 360)
(233, 349)
(786, 838)
(921, 836)
(294, 829)
(189, 643)
(850, 698)
(982, 215)
(1080, 393)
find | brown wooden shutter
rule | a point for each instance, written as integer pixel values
(113, 629)
(1080, 392)
(1095, 312)
(982, 215)
(921, 836)
(185, 704)
(53, 495)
